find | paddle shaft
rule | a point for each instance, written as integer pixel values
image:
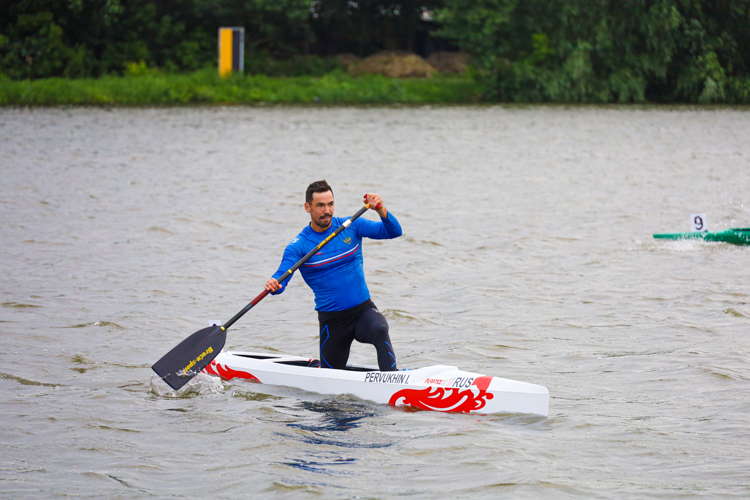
(296, 266)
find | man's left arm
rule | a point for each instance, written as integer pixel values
(387, 228)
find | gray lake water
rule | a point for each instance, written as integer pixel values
(527, 254)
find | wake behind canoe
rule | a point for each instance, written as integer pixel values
(439, 388)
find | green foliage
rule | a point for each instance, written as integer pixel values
(139, 69)
(147, 87)
(605, 50)
(37, 45)
(77, 38)
(261, 63)
(363, 27)
(520, 50)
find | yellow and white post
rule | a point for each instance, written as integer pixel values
(231, 51)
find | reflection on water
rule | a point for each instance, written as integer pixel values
(527, 254)
(335, 415)
(324, 423)
(322, 467)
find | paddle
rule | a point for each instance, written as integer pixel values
(194, 353)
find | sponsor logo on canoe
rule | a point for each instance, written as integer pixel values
(433, 381)
(474, 398)
(387, 377)
(227, 373)
(196, 360)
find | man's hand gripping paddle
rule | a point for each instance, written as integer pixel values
(194, 353)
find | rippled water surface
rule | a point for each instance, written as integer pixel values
(527, 254)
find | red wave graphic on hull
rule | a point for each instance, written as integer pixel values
(227, 373)
(450, 400)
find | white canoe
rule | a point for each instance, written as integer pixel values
(438, 388)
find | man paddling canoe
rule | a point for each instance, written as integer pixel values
(336, 276)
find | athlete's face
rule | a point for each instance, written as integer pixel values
(320, 210)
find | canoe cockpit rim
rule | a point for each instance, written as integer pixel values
(299, 361)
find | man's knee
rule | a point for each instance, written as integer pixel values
(380, 330)
(374, 332)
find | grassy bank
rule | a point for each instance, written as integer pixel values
(205, 87)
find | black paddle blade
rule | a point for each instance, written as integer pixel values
(191, 356)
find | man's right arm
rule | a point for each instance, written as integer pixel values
(287, 261)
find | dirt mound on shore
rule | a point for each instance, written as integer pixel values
(347, 58)
(449, 63)
(394, 65)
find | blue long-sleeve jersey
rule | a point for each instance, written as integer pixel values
(336, 273)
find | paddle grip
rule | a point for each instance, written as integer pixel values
(245, 309)
(259, 297)
(296, 266)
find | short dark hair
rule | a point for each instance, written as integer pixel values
(316, 187)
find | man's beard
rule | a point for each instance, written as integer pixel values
(324, 223)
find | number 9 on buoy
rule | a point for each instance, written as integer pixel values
(698, 223)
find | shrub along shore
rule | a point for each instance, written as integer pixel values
(206, 87)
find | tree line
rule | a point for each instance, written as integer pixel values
(85, 38)
(607, 50)
(520, 50)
